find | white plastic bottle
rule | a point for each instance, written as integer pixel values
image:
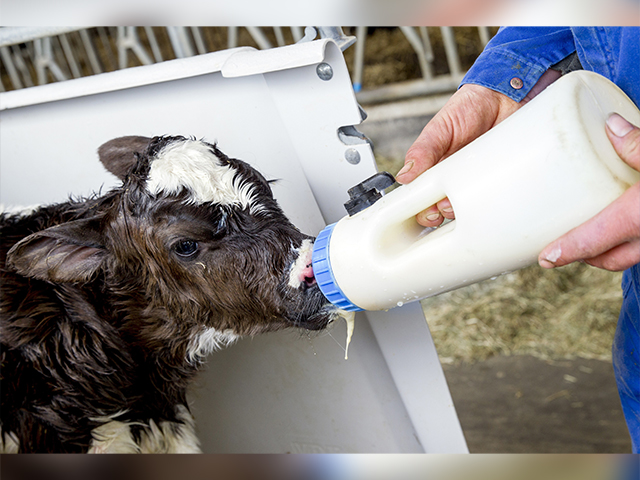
(543, 171)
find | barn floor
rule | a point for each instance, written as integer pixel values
(522, 404)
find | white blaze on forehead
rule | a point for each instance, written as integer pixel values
(192, 165)
(18, 209)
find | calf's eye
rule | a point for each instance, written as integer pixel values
(186, 248)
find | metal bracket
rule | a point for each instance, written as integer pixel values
(334, 33)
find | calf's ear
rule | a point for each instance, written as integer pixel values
(68, 253)
(118, 155)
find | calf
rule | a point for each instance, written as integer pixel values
(110, 304)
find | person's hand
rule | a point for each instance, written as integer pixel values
(611, 239)
(469, 113)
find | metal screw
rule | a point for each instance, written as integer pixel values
(324, 71)
(352, 156)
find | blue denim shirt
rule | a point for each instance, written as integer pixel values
(527, 52)
(511, 63)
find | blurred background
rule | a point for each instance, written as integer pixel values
(323, 467)
(382, 56)
(328, 12)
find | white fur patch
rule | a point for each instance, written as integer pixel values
(166, 437)
(208, 341)
(8, 442)
(192, 165)
(113, 437)
(18, 209)
(303, 260)
(171, 437)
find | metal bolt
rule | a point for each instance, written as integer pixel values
(352, 156)
(324, 71)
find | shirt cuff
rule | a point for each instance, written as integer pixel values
(504, 72)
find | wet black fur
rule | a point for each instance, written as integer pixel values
(97, 307)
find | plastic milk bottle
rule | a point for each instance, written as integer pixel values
(541, 172)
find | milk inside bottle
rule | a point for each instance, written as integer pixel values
(541, 172)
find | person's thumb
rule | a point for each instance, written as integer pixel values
(625, 138)
(423, 154)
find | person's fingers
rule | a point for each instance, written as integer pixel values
(430, 217)
(618, 258)
(445, 208)
(469, 113)
(611, 239)
(625, 138)
(435, 214)
(616, 225)
(428, 149)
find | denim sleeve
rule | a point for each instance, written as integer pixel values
(516, 57)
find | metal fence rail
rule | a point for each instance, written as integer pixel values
(32, 56)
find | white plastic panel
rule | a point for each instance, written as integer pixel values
(282, 392)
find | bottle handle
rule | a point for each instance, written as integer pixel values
(401, 229)
(426, 190)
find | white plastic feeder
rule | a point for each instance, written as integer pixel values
(279, 110)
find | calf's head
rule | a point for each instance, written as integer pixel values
(193, 243)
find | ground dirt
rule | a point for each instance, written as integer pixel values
(522, 404)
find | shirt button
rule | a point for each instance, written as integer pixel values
(516, 83)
